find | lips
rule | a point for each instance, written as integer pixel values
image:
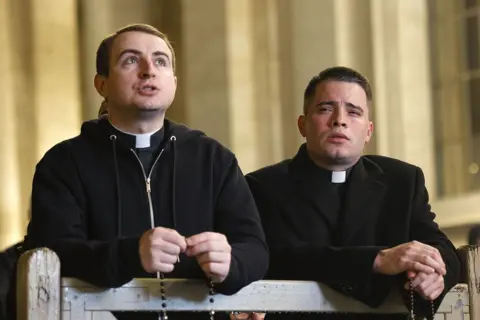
(338, 136)
(147, 90)
(148, 87)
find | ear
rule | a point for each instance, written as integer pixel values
(100, 83)
(301, 125)
(369, 132)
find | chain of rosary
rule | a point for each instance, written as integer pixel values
(163, 315)
(412, 303)
(211, 291)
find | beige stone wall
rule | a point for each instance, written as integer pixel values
(242, 69)
(40, 97)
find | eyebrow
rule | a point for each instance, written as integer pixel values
(136, 52)
(332, 103)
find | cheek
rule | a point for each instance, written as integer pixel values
(168, 80)
(120, 85)
(318, 125)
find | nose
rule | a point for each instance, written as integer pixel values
(339, 118)
(147, 70)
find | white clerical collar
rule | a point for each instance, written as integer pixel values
(339, 176)
(142, 140)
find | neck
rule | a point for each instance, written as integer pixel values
(137, 125)
(332, 165)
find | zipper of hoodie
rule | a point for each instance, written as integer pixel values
(148, 185)
(148, 188)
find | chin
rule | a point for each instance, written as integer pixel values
(338, 155)
(150, 108)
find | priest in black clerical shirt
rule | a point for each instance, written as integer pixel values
(360, 224)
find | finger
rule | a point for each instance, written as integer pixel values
(157, 266)
(429, 289)
(430, 251)
(220, 257)
(434, 295)
(258, 316)
(170, 235)
(439, 267)
(425, 281)
(164, 267)
(239, 316)
(166, 247)
(426, 294)
(420, 278)
(424, 260)
(205, 236)
(208, 246)
(422, 246)
(215, 269)
(411, 274)
(166, 258)
(419, 267)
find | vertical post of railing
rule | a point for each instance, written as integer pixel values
(470, 256)
(38, 285)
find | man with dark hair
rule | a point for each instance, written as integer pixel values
(360, 224)
(137, 195)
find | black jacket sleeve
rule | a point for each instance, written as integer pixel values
(58, 221)
(236, 216)
(345, 269)
(425, 230)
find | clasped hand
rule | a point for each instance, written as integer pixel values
(423, 264)
(160, 249)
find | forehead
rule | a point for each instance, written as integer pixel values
(341, 91)
(141, 41)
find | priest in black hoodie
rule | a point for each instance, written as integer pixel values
(137, 195)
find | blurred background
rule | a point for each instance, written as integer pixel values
(242, 69)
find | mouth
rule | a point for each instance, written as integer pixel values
(147, 89)
(338, 136)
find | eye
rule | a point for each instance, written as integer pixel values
(131, 60)
(324, 109)
(161, 61)
(355, 113)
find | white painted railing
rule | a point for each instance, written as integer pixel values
(43, 295)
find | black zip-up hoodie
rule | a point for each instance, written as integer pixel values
(91, 204)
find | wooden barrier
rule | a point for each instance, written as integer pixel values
(43, 295)
(470, 258)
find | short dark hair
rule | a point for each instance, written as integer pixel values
(105, 48)
(343, 74)
(474, 235)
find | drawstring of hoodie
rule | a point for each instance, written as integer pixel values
(113, 138)
(173, 140)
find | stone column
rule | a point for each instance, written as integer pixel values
(452, 134)
(403, 113)
(10, 215)
(56, 100)
(218, 74)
